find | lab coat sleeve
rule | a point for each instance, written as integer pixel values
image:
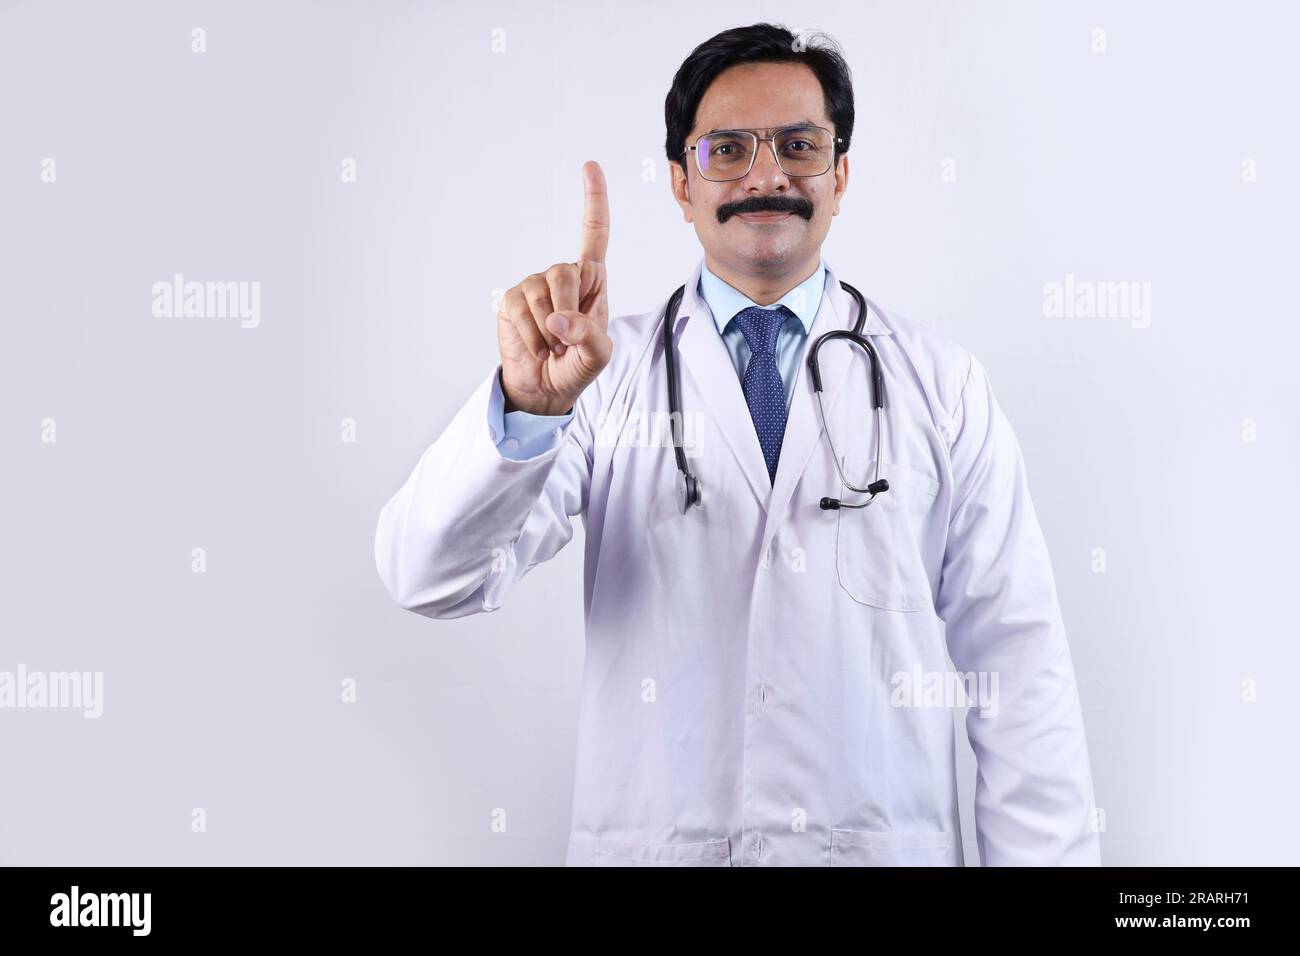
(997, 597)
(470, 521)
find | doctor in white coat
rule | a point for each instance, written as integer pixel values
(767, 681)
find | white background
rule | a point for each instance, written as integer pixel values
(222, 689)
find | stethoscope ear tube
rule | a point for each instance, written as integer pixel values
(877, 402)
(688, 486)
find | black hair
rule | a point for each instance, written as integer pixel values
(759, 43)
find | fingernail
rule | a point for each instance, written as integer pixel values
(543, 354)
(560, 325)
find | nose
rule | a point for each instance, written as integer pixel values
(766, 174)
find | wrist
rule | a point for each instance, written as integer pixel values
(541, 407)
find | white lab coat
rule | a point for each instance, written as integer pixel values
(741, 694)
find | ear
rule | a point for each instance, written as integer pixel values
(841, 182)
(681, 187)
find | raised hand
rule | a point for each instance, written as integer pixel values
(553, 326)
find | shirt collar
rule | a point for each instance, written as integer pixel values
(724, 300)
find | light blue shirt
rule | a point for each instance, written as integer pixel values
(521, 435)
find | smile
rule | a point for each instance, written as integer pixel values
(763, 216)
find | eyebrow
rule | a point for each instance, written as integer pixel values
(763, 129)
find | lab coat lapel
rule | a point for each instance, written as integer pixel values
(803, 430)
(706, 361)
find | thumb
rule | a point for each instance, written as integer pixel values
(578, 331)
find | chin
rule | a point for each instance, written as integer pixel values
(771, 256)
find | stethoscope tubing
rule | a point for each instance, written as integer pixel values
(690, 483)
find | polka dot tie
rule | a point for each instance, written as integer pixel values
(764, 390)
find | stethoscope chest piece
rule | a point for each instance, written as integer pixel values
(688, 491)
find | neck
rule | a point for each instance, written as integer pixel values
(764, 288)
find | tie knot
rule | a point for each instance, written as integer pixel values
(760, 325)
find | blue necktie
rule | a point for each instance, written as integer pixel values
(764, 390)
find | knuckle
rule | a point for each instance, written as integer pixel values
(511, 302)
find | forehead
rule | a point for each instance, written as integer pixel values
(760, 96)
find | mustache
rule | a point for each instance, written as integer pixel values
(795, 204)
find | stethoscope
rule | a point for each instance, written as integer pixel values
(688, 485)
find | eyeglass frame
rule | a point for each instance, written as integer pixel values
(836, 141)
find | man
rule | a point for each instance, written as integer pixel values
(764, 675)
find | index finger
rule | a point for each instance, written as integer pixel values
(595, 214)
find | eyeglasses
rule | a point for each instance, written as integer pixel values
(728, 154)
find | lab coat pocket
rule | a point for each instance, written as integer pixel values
(888, 848)
(878, 548)
(619, 853)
